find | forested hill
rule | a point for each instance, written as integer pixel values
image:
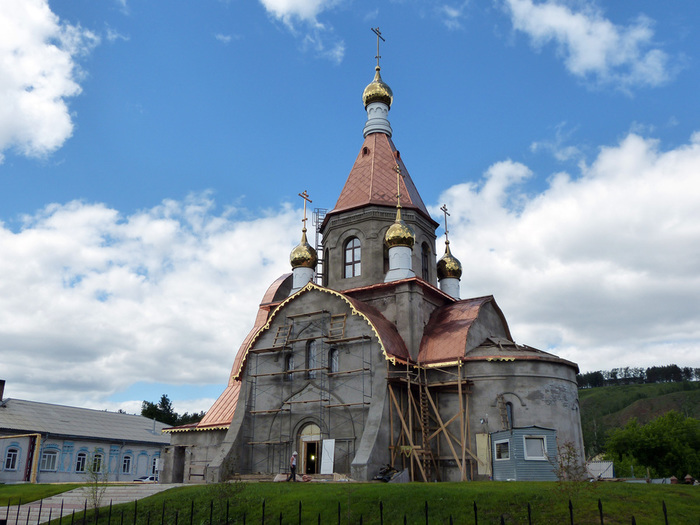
(637, 376)
(608, 407)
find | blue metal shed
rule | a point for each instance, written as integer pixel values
(524, 454)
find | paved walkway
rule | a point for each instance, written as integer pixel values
(75, 500)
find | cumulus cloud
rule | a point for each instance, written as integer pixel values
(601, 267)
(93, 302)
(301, 18)
(592, 46)
(38, 76)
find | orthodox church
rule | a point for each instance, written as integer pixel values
(366, 355)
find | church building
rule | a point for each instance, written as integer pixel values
(366, 355)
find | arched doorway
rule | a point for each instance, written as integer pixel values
(310, 441)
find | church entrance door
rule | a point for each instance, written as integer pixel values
(310, 438)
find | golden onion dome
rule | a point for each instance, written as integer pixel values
(303, 255)
(400, 233)
(449, 266)
(377, 91)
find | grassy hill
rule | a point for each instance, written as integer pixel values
(608, 407)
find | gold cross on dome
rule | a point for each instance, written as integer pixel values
(305, 196)
(397, 169)
(444, 209)
(379, 35)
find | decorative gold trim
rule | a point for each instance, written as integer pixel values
(312, 286)
(194, 429)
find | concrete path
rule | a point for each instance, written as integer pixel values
(75, 500)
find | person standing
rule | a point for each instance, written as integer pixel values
(293, 467)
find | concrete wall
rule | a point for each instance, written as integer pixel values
(369, 225)
(189, 455)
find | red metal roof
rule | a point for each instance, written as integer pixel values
(372, 179)
(445, 335)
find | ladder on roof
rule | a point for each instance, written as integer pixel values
(282, 335)
(316, 220)
(336, 329)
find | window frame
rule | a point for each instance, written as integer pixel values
(352, 258)
(12, 454)
(81, 459)
(127, 461)
(497, 450)
(49, 460)
(289, 366)
(333, 360)
(311, 359)
(98, 463)
(543, 440)
(425, 261)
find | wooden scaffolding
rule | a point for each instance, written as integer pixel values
(420, 429)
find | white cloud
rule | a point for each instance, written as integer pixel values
(300, 17)
(289, 10)
(601, 268)
(591, 45)
(224, 39)
(93, 302)
(557, 146)
(112, 35)
(38, 76)
(451, 15)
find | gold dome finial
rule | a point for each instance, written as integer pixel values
(377, 90)
(303, 255)
(399, 233)
(448, 266)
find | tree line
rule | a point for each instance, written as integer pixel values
(164, 412)
(636, 376)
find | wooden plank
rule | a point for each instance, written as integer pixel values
(273, 411)
(442, 426)
(347, 404)
(408, 435)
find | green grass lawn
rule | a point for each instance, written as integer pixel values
(361, 501)
(31, 492)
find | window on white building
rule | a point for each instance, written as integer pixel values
(81, 462)
(49, 461)
(11, 459)
(126, 464)
(97, 462)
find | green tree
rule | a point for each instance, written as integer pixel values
(669, 445)
(164, 412)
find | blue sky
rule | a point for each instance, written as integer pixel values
(152, 153)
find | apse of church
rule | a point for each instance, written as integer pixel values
(365, 354)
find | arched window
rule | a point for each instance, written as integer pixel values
(333, 360)
(81, 462)
(97, 461)
(353, 254)
(326, 266)
(509, 414)
(425, 261)
(289, 366)
(311, 359)
(11, 459)
(127, 461)
(49, 461)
